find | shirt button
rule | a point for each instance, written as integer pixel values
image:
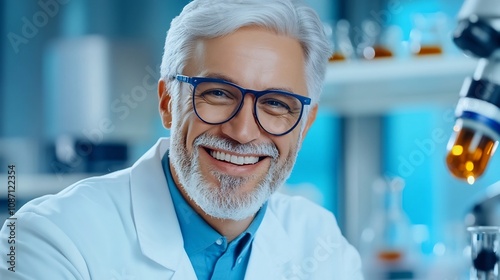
(218, 241)
(239, 260)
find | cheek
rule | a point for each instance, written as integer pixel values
(182, 117)
(289, 145)
(286, 145)
(194, 127)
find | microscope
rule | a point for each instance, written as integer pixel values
(477, 129)
(476, 132)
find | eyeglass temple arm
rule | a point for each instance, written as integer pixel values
(183, 78)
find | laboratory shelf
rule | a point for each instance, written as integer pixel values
(374, 87)
(362, 93)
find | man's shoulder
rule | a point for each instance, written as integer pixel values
(300, 210)
(93, 194)
(279, 202)
(305, 235)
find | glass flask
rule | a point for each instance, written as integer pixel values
(427, 34)
(373, 45)
(338, 35)
(387, 248)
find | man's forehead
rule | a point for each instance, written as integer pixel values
(275, 60)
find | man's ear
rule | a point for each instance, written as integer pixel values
(165, 106)
(311, 117)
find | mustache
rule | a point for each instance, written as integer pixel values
(220, 143)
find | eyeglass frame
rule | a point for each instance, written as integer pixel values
(195, 81)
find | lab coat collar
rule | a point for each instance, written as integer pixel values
(271, 249)
(153, 211)
(159, 233)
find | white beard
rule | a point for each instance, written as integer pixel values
(227, 201)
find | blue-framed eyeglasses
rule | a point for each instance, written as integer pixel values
(216, 101)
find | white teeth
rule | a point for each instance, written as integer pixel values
(239, 160)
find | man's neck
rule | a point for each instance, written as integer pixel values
(226, 227)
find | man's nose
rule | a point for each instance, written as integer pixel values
(243, 127)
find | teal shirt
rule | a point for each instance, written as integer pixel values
(211, 255)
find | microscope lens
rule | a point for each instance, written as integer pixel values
(469, 155)
(485, 260)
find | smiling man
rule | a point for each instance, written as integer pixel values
(239, 91)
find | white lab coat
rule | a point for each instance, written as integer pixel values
(124, 226)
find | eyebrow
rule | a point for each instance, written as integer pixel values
(228, 79)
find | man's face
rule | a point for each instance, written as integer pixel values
(205, 157)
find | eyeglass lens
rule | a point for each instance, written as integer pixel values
(216, 103)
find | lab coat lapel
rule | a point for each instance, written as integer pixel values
(270, 250)
(154, 215)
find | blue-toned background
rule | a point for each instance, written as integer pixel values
(75, 70)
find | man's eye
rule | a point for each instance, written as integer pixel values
(217, 97)
(276, 104)
(216, 93)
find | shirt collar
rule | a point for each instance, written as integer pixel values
(197, 233)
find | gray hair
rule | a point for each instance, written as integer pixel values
(213, 18)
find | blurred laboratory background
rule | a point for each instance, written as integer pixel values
(78, 98)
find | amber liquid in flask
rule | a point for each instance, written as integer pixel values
(336, 56)
(429, 50)
(381, 52)
(375, 52)
(469, 156)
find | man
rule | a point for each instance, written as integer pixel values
(239, 91)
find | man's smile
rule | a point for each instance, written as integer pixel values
(237, 159)
(234, 159)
